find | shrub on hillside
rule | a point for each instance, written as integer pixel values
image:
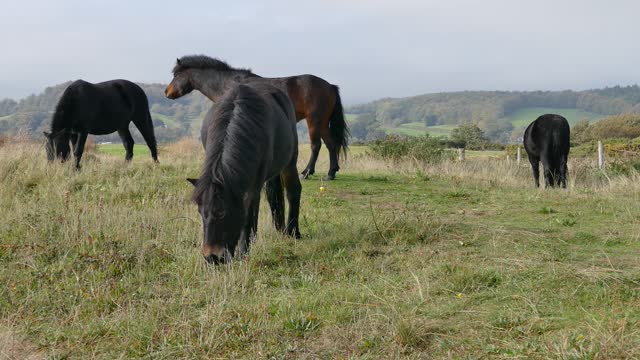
(423, 148)
(625, 126)
(469, 136)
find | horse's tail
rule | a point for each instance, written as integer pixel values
(140, 104)
(338, 126)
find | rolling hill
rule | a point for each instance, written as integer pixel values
(501, 114)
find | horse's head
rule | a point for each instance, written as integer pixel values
(57, 145)
(181, 84)
(222, 220)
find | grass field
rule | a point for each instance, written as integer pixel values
(118, 150)
(350, 117)
(523, 117)
(398, 260)
(519, 119)
(417, 129)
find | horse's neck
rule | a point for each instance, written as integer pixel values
(214, 83)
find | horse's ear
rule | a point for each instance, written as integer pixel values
(178, 61)
(192, 181)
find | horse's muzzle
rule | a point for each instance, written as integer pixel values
(170, 92)
(215, 254)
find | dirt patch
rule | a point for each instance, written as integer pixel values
(14, 347)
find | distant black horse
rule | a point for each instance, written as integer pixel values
(547, 140)
(99, 109)
(251, 140)
(313, 99)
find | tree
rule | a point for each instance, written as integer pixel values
(580, 131)
(469, 136)
(362, 125)
(8, 107)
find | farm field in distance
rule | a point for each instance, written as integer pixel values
(519, 119)
(523, 117)
(447, 260)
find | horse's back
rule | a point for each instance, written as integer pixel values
(549, 134)
(307, 92)
(260, 131)
(104, 107)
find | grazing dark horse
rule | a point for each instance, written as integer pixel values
(99, 109)
(251, 140)
(313, 99)
(546, 140)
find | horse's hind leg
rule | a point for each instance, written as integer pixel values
(333, 152)
(535, 167)
(563, 173)
(548, 173)
(146, 129)
(127, 141)
(275, 197)
(316, 144)
(294, 190)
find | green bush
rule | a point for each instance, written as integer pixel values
(625, 126)
(423, 148)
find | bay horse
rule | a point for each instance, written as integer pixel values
(313, 98)
(251, 140)
(99, 109)
(546, 140)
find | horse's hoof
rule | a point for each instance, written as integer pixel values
(294, 233)
(304, 176)
(329, 177)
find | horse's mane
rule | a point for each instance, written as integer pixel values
(64, 105)
(206, 62)
(232, 152)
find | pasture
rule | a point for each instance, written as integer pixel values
(418, 129)
(519, 119)
(523, 117)
(462, 260)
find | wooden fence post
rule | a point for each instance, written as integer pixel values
(519, 155)
(461, 154)
(600, 155)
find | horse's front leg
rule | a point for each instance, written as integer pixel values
(250, 228)
(316, 144)
(79, 147)
(74, 141)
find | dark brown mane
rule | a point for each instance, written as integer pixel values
(238, 121)
(205, 62)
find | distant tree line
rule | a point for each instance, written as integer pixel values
(488, 110)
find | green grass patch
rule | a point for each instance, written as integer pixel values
(523, 117)
(118, 149)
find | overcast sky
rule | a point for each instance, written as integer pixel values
(370, 48)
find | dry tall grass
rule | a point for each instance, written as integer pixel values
(399, 260)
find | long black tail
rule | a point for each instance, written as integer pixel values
(338, 126)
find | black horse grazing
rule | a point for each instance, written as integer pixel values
(313, 99)
(547, 140)
(99, 109)
(251, 140)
